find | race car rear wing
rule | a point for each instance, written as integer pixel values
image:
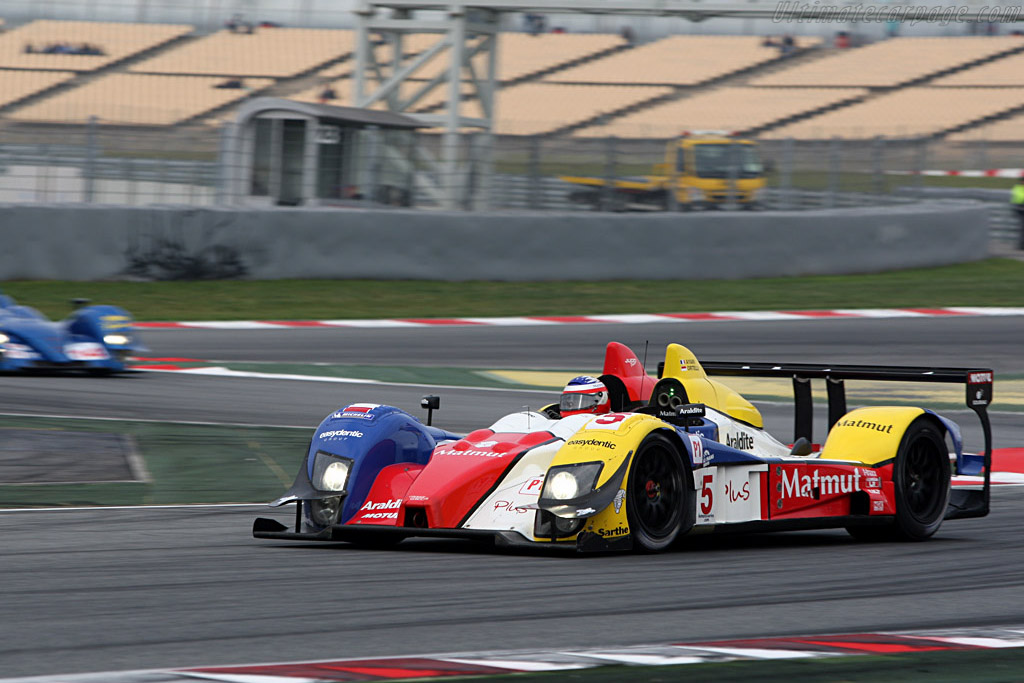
(978, 383)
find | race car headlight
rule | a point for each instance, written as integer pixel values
(4, 338)
(571, 481)
(115, 339)
(330, 472)
(335, 476)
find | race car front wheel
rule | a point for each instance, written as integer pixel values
(921, 475)
(658, 496)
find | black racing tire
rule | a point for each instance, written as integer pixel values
(921, 486)
(659, 497)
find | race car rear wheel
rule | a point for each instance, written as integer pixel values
(658, 495)
(921, 475)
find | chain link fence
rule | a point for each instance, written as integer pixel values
(186, 165)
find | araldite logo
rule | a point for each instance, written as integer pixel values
(796, 484)
(979, 378)
(393, 504)
(386, 510)
(741, 441)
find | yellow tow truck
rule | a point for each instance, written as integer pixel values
(705, 164)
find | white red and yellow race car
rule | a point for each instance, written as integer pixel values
(675, 456)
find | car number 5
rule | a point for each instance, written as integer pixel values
(707, 496)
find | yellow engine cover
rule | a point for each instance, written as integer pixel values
(869, 435)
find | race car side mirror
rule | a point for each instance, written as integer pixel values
(78, 303)
(430, 404)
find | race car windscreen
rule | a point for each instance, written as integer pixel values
(578, 401)
(714, 160)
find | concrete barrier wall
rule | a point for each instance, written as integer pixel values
(95, 242)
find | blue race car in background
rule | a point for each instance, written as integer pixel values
(97, 339)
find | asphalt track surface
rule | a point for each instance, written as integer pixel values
(110, 589)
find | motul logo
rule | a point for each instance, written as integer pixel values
(979, 378)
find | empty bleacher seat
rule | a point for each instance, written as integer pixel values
(116, 41)
(891, 62)
(1010, 129)
(136, 99)
(19, 84)
(1006, 71)
(676, 60)
(522, 54)
(535, 108)
(732, 109)
(271, 52)
(908, 112)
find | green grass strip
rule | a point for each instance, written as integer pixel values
(994, 282)
(187, 464)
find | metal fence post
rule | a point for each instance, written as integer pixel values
(472, 178)
(673, 175)
(731, 193)
(410, 180)
(921, 161)
(222, 191)
(877, 167)
(89, 167)
(786, 173)
(374, 153)
(534, 199)
(982, 154)
(608, 190)
(833, 172)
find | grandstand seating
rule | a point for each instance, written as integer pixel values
(1006, 72)
(676, 60)
(19, 84)
(892, 62)
(342, 88)
(137, 99)
(270, 52)
(1010, 129)
(536, 108)
(116, 40)
(523, 54)
(733, 109)
(908, 112)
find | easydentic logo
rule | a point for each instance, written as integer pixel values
(335, 433)
(591, 442)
